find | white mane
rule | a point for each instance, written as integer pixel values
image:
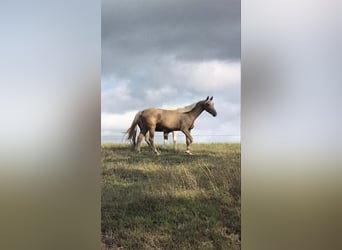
(187, 108)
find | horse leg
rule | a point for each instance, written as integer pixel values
(166, 136)
(140, 137)
(174, 136)
(147, 139)
(151, 139)
(189, 140)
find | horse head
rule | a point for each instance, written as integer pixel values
(209, 106)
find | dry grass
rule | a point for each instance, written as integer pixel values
(171, 201)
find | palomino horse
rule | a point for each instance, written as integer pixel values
(155, 119)
(165, 133)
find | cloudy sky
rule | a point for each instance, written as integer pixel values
(170, 54)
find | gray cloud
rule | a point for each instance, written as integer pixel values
(172, 84)
(138, 32)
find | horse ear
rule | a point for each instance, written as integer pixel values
(211, 98)
(207, 98)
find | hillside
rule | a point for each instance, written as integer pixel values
(171, 201)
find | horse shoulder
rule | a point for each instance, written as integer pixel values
(186, 122)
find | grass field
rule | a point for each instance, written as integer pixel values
(171, 201)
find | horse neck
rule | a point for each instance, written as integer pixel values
(197, 110)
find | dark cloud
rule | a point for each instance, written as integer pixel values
(137, 32)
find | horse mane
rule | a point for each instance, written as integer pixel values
(187, 108)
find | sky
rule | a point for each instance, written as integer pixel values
(171, 54)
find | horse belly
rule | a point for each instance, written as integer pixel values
(160, 127)
(163, 120)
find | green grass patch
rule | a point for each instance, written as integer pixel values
(171, 201)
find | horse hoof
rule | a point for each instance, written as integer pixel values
(188, 152)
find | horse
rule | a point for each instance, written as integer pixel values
(155, 119)
(165, 133)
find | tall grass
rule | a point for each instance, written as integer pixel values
(171, 201)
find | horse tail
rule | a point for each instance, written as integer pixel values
(132, 131)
